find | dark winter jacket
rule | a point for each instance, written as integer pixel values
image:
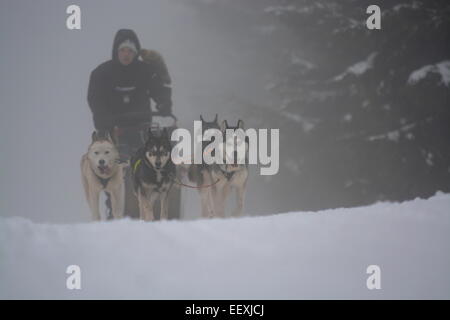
(120, 95)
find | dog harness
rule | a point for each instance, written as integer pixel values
(158, 184)
(136, 165)
(104, 182)
(227, 174)
(176, 180)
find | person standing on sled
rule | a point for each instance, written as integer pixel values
(119, 96)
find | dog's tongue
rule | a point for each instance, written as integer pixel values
(104, 170)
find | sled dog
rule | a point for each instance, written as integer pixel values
(232, 176)
(153, 174)
(200, 174)
(101, 171)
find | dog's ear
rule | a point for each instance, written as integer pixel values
(94, 136)
(240, 124)
(224, 125)
(201, 118)
(149, 134)
(109, 137)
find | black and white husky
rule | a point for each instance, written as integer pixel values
(153, 175)
(101, 171)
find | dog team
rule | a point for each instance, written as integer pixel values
(154, 175)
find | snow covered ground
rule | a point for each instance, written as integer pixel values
(293, 256)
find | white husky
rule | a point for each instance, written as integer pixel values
(101, 171)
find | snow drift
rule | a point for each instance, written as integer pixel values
(286, 256)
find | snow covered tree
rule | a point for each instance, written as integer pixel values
(364, 114)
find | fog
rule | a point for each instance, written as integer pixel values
(46, 123)
(363, 114)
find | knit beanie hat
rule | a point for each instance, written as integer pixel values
(128, 44)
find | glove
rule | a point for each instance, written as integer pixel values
(164, 109)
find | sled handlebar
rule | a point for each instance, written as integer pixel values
(174, 118)
(142, 118)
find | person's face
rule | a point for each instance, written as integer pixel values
(126, 56)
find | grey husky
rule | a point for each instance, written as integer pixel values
(200, 174)
(215, 181)
(231, 176)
